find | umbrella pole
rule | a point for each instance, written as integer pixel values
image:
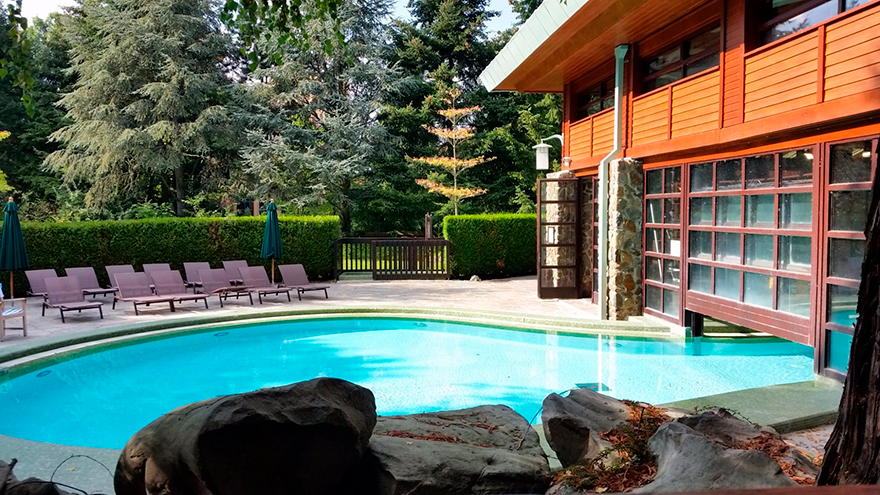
(11, 287)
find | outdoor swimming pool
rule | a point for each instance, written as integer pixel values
(100, 399)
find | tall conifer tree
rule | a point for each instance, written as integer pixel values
(147, 109)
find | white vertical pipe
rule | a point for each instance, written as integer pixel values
(619, 54)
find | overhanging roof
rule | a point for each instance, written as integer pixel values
(537, 29)
(564, 40)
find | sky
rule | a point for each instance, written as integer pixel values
(42, 8)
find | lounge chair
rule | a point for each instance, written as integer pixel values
(192, 273)
(256, 281)
(113, 270)
(11, 309)
(135, 288)
(156, 267)
(170, 283)
(88, 281)
(232, 270)
(36, 279)
(216, 281)
(65, 294)
(294, 276)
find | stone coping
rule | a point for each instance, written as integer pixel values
(15, 355)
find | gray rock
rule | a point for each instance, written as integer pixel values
(29, 486)
(688, 461)
(572, 424)
(482, 450)
(724, 428)
(301, 438)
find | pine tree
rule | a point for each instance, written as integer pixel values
(320, 132)
(451, 137)
(148, 109)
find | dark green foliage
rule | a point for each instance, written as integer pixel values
(306, 240)
(491, 246)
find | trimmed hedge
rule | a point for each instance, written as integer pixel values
(306, 240)
(492, 246)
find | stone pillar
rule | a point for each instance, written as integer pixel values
(586, 274)
(625, 208)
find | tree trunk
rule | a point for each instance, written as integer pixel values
(178, 190)
(852, 455)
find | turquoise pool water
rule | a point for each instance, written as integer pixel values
(101, 398)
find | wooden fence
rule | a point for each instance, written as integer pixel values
(393, 258)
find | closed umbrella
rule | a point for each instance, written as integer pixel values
(13, 253)
(272, 237)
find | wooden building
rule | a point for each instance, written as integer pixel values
(755, 124)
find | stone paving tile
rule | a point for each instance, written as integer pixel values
(810, 441)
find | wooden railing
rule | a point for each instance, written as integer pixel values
(393, 258)
(832, 60)
(592, 136)
(686, 107)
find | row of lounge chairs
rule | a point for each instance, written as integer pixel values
(159, 284)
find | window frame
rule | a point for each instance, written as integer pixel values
(606, 94)
(769, 24)
(683, 62)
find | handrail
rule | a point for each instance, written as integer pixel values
(392, 258)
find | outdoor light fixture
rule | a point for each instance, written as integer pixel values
(542, 152)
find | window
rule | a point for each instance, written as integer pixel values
(662, 237)
(779, 18)
(749, 224)
(595, 99)
(694, 55)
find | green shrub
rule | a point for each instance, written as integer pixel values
(306, 240)
(501, 245)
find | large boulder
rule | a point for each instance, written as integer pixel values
(482, 450)
(301, 438)
(689, 461)
(724, 428)
(572, 424)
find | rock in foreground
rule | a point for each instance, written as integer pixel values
(303, 438)
(482, 450)
(572, 424)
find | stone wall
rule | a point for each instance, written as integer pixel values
(625, 205)
(586, 185)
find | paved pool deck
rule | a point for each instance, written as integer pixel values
(508, 301)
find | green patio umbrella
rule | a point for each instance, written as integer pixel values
(13, 253)
(272, 237)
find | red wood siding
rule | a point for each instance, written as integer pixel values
(781, 78)
(852, 55)
(695, 105)
(734, 46)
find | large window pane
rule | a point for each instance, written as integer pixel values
(654, 211)
(699, 278)
(653, 269)
(700, 245)
(759, 250)
(796, 211)
(654, 181)
(760, 172)
(842, 305)
(701, 65)
(671, 272)
(670, 302)
(673, 210)
(794, 253)
(760, 211)
(800, 21)
(851, 162)
(701, 177)
(758, 289)
(704, 42)
(653, 240)
(701, 211)
(672, 183)
(727, 247)
(845, 258)
(729, 175)
(728, 211)
(796, 168)
(849, 210)
(672, 242)
(838, 347)
(653, 297)
(793, 296)
(727, 283)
